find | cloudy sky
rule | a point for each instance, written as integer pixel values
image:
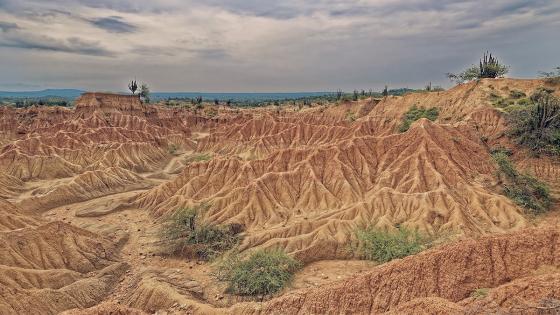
(267, 45)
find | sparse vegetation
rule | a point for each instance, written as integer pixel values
(133, 86)
(515, 100)
(537, 124)
(523, 189)
(350, 116)
(187, 235)
(552, 77)
(339, 95)
(516, 94)
(501, 102)
(480, 293)
(415, 113)
(489, 67)
(172, 148)
(42, 101)
(382, 246)
(264, 272)
(145, 93)
(199, 157)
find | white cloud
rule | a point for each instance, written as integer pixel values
(221, 45)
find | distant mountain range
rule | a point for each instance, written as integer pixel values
(63, 93)
(72, 94)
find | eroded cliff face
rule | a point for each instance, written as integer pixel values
(84, 191)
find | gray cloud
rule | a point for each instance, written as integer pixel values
(114, 24)
(154, 51)
(210, 53)
(5, 27)
(272, 45)
(71, 45)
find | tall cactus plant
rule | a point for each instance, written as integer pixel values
(490, 67)
(133, 86)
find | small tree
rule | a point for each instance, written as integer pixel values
(145, 93)
(489, 67)
(552, 77)
(133, 86)
(356, 95)
(385, 92)
(339, 95)
(216, 101)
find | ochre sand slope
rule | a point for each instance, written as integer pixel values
(84, 191)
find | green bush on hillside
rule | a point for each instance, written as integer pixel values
(489, 67)
(198, 158)
(537, 125)
(264, 272)
(523, 189)
(382, 246)
(415, 113)
(188, 236)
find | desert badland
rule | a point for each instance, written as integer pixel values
(85, 193)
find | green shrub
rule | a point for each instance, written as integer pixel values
(523, 189)
(381, 246)
(199, 157)
(489, 67)
(552, 77)
(188, 236)
(524, 102)
(537, 125)
(480, 293)
(263, 272)
(415, 113)
(516, 94)
(172, 148)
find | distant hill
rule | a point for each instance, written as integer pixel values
(72, 94)
(62, 93)
(236, 96)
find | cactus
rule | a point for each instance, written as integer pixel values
(133, 86)
(490, 67)
(385, 92)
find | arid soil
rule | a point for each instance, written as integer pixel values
(84, 193)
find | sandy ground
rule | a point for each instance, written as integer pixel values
(139, 233)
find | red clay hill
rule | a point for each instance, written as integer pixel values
(84, 192)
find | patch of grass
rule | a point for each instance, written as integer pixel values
(524, 102)
(382, 246)
(199, 157)
(516, 100)
(525, 190)
(188, 236)
(350, 116)
(516, 94)
(172, 148)
(264, 272)
(415, 113)
(480, 293)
